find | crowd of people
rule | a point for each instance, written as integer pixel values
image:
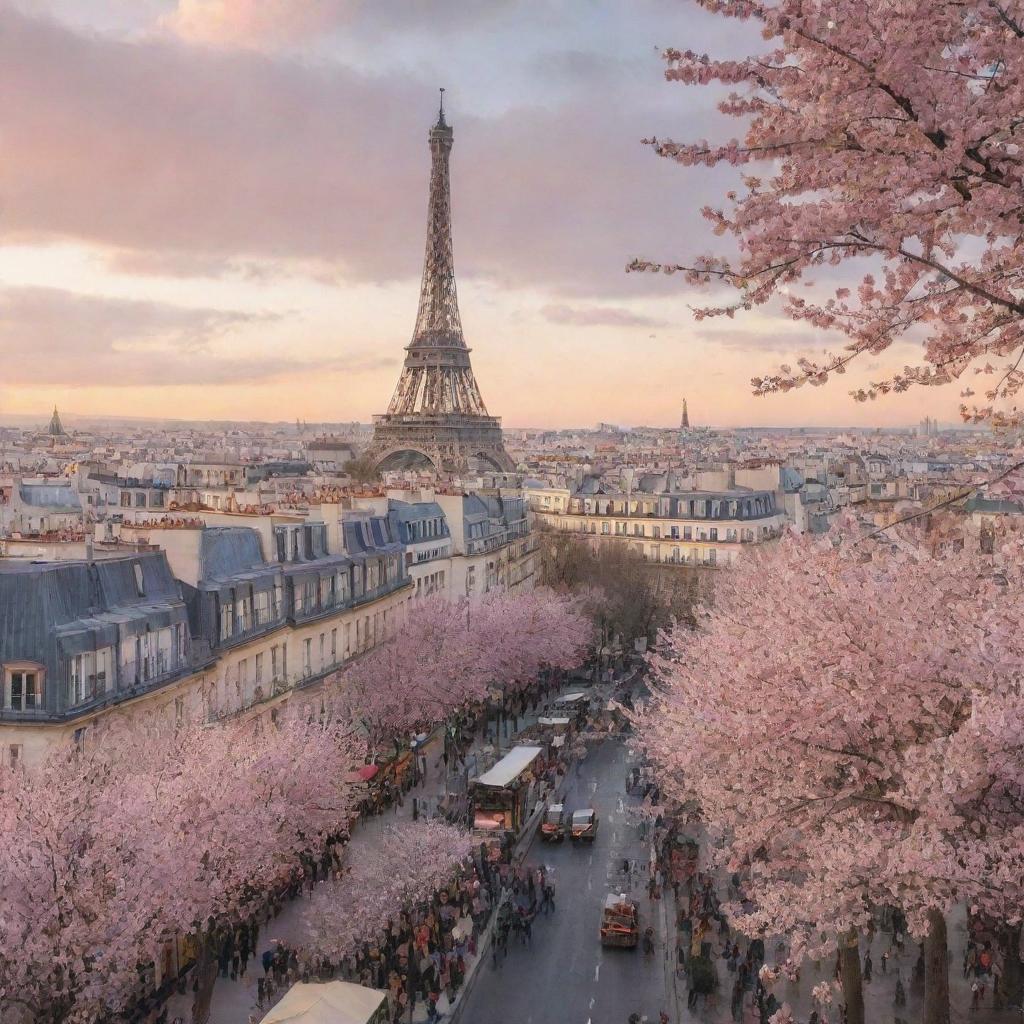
(714, 959)
(423, 953)
(427, 951)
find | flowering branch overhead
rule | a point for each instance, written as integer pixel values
(892, 136)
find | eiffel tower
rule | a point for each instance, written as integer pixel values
(436, 413)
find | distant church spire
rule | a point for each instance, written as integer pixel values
(55, 429)
(684, 423)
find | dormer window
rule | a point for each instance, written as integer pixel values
(23, 687)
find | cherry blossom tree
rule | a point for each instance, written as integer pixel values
(845, 717)
(149, 833)
(889, 134)
(518, 634)
(417, 677)
(411, 862)
(73, 921)
(448, 653)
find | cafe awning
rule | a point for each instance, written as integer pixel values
(333, 1002)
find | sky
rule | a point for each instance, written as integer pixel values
(215, 209)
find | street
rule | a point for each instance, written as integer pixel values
(566, 975)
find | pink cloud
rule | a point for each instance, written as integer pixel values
(55, 337)
(598, 316)
(272, 24)
(253, 22)
(194, 156)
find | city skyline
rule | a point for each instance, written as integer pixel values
(242, 260)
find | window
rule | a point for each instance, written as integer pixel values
(276, 603)
(334, 646)
(261, 606)
(244, 609)
(274, 666)
(307, 657)
(24, 689)
(713, 533)
(227, 619)
(323, 649)
(87, 675)
(14, 753)
(179, 711)
(259, 669)
(687, 533)
(605, 528)
(243, 672)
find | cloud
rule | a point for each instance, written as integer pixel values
(748, 339)
(272, 24)
(599, 316)
(59, 338)
(199, 157)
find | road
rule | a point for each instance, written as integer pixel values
(566, 976)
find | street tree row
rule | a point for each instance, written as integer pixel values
(848, 718)
(154, 831)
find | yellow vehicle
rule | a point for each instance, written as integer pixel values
(620, 922)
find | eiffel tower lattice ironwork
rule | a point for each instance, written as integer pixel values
(437, 411)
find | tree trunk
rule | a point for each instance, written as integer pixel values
(936, 971)
(206, 978)
(1010, 986)
(849, 973)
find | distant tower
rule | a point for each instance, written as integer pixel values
(437, 411)
(56, 428)
(684, 422)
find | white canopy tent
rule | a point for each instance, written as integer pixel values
(333, 1002)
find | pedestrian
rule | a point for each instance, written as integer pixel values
(900, 998)
(885, 962)
(867, 967)
(737, 1000)
(261, 991)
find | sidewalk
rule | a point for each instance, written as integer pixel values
(234, 1000)
(879, 993)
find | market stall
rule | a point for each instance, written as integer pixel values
(332, 1002)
